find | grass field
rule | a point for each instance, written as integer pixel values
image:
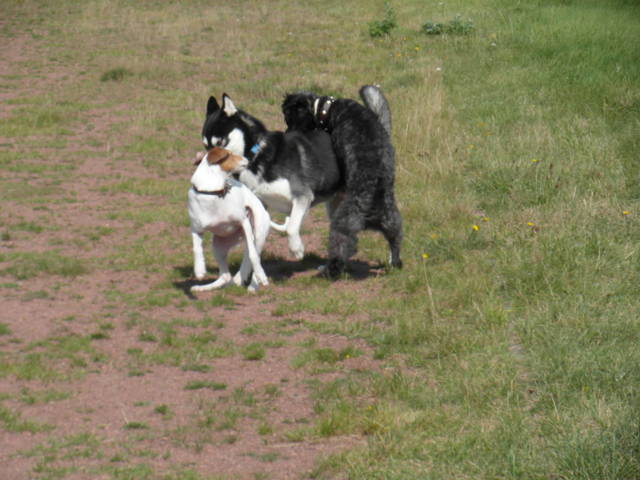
(506, 348)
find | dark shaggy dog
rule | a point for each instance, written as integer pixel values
(360, 137)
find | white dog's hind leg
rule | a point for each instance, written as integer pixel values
(199, 265)
(258, 277)
(242, 276)
(298, 211)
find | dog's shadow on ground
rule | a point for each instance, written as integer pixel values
(280, 269)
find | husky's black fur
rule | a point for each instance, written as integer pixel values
(360, 137)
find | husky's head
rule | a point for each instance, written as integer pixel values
(298, 110)
(223, 127)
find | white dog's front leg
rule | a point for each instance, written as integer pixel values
(224, 277)
(298, 211)
(199, 265)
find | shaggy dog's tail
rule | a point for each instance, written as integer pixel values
(374, 100)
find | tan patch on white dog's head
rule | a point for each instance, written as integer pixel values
(228, 161)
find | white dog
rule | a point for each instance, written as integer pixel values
(228, 209)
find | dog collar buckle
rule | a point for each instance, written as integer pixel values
(324, 111)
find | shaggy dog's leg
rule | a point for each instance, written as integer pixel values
(332, 204)
(391, 228)
(348, 219)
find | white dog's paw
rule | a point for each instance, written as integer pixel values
(256, 281)
(221, 282)
(262, 279)
(199, 272)
(200, 288)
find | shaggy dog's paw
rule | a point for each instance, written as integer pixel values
(333, 269)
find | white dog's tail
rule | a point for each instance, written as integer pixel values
(280, 228)
(374, 100)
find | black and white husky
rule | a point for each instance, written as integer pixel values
(361, 141)
(290, 172)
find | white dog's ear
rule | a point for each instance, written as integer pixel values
(212, 106)
(227, 105)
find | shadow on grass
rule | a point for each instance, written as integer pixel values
(280, 270)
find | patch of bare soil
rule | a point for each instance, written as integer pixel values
(85, 394)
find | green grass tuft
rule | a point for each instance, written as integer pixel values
(200, 384)
(381, 28)
(116, 75)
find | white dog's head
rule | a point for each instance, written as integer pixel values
(228, 161)
(214, 167)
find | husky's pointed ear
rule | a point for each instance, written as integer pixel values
(212, 106)
(227, 105)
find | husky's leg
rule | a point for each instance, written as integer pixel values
(298, 211)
